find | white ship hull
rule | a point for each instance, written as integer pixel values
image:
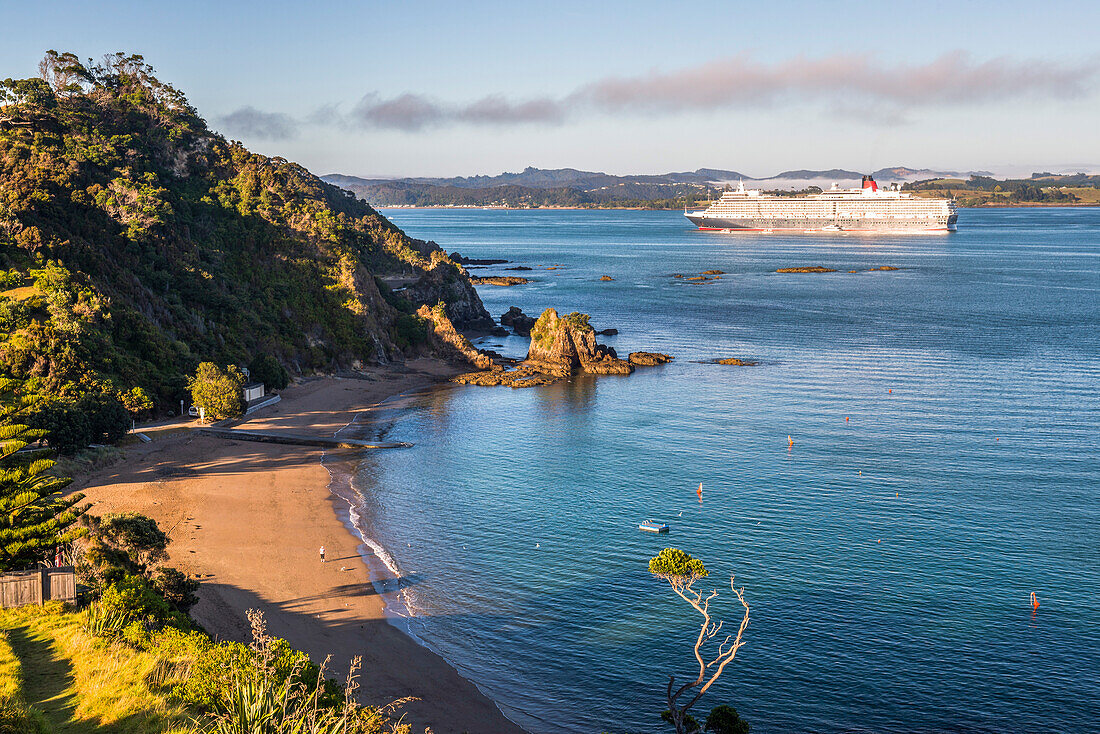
(724, 224)
(851, 210)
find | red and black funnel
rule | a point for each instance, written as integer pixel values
(869, 183)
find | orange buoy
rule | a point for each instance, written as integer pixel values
(1034, 601)
(790, 441)
(845, 419)
(700, 490)
(890, 391)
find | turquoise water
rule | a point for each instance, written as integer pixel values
(887, 559)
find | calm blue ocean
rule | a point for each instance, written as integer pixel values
(888, 559)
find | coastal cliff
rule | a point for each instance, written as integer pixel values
(135, 242)
(446, 341)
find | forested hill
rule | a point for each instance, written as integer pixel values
(536, 187)
(136, 242)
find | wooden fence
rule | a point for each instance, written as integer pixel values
(38, 586)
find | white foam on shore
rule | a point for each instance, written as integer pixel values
(397, 603)
(385, 573)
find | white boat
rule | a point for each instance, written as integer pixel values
(652, 526)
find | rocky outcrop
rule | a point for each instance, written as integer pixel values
(606, 277)
(648, 359)
(735, 362)
(607, 332)
(565, 345)
(608, 365)
(449, 344)
(456, 257)
(714, 272)
(501, 280)
(519, 322)
(561, 346)
(522, 376)
(810, 269)
(444, 281)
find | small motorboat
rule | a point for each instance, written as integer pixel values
(652, 526)
(832, 228)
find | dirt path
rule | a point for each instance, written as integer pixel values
(47, 680)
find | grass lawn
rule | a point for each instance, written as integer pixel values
(78, 683)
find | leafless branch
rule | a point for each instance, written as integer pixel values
(709, 672)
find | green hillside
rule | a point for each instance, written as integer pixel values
(137, 242)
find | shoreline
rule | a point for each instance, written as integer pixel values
(248, 518)
(385, 577)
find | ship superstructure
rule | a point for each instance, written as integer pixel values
(866, 209)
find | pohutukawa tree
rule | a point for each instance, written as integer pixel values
(681, 571)
(35, 520)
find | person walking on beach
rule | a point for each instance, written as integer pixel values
(322, 552)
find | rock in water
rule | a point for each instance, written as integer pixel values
(735, 362)
(563, 346)
(501, 280)
(606, 277)
(648, 359)
(520, 322)
(810, 269)
(457, 258)
(608, 332)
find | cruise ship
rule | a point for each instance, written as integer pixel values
(866, 209)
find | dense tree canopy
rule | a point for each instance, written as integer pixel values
(217, 391)
(674, 563)
(135, 243)
(34, 518)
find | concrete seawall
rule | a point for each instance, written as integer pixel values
(297, 439)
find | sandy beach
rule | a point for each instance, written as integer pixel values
(250, 517)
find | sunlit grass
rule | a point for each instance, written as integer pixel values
(89, 683)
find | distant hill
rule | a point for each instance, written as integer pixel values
(572, 187)
(901, 173)
(837, 174)
(539, 178)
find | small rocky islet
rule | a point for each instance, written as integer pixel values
(456, 257)
(519, 322)
(499, 280)
(705, 276)
(561, 346)
(823, 269)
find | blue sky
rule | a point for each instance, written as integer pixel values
(407, 88)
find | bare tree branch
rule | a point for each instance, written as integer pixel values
(709, 672)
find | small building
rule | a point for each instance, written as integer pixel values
(253, 391)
